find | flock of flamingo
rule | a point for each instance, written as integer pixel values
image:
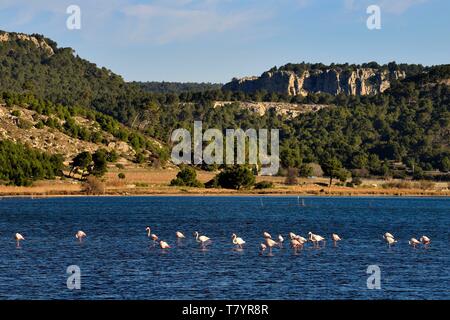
(297, 242)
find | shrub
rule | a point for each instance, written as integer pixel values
(425, 185)
(139, 158)
(357, 181)
(213, 183)
(398, 185)
(120, 166)
(121, 176)
(305, 170)
(264, 185)
(399, 174)
(94, 186)
(141, 184)
(187, 177)
(112, 156)
(39, 125)
(15, 113)
(291, 176)
(24, 124)
(362, 173)
(236, 177)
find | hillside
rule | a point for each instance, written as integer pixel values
(19, 124)
(35, 64)
(176, 87)
(387, 117)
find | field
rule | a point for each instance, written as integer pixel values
(144, 181)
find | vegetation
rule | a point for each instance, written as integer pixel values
(94, 186)
(62, 118)
(82, 161)
(100, 159)
(332, 168)
(21, 165)
(236, 177)
(407, 124)
(291, 176)
(177, 87)
(95, 164)
(264, 185)
(187, 177)
(299, 68)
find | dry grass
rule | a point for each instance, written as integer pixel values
(141, 181)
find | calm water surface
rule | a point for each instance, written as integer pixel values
(118, 261)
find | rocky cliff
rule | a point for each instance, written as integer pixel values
(37, 41)
(359, 81)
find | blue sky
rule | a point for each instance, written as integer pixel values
(215, 40)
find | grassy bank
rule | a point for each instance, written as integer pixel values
(140, 181)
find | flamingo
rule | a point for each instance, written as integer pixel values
(237, 240)
(263, 247)
(164, 245)
(180, 235)
(80, 235)
(387, 234)
(390, 240)
(153, 236)
(425, 240)
(270, 243)
(335, 238)
(267, 235)
(292, 235)
(315, 238)
(280, 240)
(301, 239)
(295, 244)
(18, 238)
(202, 239)
(414, 242)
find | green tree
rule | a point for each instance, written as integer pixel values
(81, 161)
(445, 164)
(333, 168)
(100, 166)
(236, 177)
(187, 177)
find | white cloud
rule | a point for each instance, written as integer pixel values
(399, 6)
(389, 6)
(159, 21)
(185, 19)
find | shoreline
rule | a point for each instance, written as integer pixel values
(141, 182)
(163, 193)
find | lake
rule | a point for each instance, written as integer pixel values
(118, 261)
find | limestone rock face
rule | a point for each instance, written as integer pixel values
(6, 36)
(362, 81)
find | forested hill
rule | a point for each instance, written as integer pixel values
(408, 122)
(34, 64)
(177, 87)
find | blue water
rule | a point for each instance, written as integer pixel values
(118, 261)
